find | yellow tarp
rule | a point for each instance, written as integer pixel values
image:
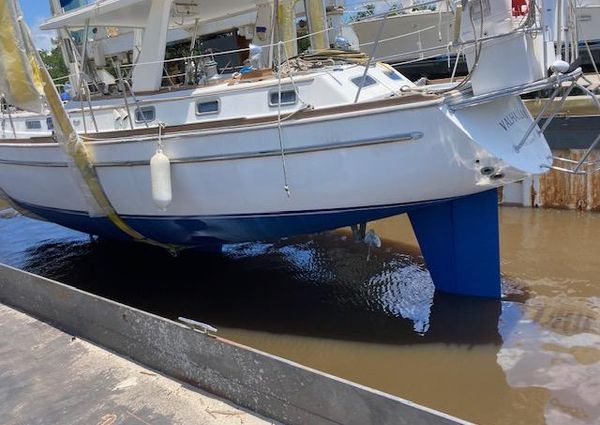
(19, 84)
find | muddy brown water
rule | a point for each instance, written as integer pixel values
(531, 358)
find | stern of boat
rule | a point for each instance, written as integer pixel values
(512, 145)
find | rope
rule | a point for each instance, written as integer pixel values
(286, 187)
(321, 58)
(478, 45)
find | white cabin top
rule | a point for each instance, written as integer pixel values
(137, 13)
(155, 17)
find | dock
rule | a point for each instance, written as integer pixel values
(53, 377)
(111, 364)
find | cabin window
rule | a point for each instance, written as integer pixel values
(288, 97)
(33, 125)
(208, 107)
(358, 81)
(392, 75)
(50, 123)
(145, 114)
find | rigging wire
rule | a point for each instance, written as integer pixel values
(286, 186)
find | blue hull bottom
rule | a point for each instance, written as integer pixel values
(215, 230)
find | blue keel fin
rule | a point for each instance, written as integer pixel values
(460, 242)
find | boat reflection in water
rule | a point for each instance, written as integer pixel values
(531, 358)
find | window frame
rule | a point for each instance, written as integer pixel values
(369, 81)
(201, 101)
(283, 103)
(393, 75)
(29, 122)
(142, 110)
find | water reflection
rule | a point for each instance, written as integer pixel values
(319, 287)
(567, 366)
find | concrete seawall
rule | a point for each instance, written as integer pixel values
(272, 386)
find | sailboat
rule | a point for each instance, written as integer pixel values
(290, 146)
(416, 39)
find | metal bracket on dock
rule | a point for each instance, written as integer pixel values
(200, 327)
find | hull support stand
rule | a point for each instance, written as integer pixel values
(460, 242)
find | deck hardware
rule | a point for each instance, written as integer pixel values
(204, 328)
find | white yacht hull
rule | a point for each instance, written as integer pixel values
(426, 34)
(228, 184)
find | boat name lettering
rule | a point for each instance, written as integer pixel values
(514, 116)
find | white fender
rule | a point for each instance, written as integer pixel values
(160, 172)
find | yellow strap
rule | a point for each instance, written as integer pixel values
(16, 80)
(75, 147)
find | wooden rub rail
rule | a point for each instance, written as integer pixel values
(267, 384)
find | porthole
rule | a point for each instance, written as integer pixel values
(145, 114)
(33, 125)
(368, 81)
(208, 107)
(288, 97)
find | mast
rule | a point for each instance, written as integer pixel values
(147, 73)
(317, 24)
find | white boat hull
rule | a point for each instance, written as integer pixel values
(228, 184)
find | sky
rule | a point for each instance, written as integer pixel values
(36, 11)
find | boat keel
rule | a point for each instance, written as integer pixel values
(460, 242)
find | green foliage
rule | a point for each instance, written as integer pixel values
(54, 62)
(302, 31)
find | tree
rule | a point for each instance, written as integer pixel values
(54, 62)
